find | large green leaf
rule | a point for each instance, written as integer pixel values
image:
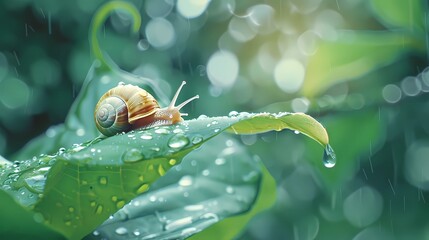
(74, 191)
(216, 181)
(352, 55)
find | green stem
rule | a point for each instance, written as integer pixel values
(99, 19)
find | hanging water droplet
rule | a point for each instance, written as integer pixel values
(121, 231)
(132, 155)
(197, 139)
(329, 158)
(178, 141)
(186, 181)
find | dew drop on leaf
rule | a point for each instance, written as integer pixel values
(329, 158)
(197, 139)
(35, 180)
(233, 114)
(230, 189)
(120, 204)
(121, 231)
(186, 181)
(146, 136)
(162, 131)
(143, 188)
(220, 161)
(132, 155)
(102, 180)
(178, 141)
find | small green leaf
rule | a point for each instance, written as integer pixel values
(353, 55)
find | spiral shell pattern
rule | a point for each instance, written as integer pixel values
(121, 106)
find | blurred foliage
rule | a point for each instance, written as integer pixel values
(357, 66)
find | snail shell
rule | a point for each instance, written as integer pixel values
(127, 107)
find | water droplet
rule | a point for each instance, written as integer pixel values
(36, 179)
(230, 189)
(296, 132)
(102, 180)
(178, 141)
(38, 217)
(61, 151)
(172, 162)
(120, 204)
(196, 140)
(143, 188)
(214, 122)
(143, 45)
(217, 130)
(161, 170)
(206, 172)
(186, 181)
(67, 223)
(132, 155)
(136, 233)
(178, 130)
(220, 161)
(121, 231)
(96, 233)
(71, 209)
(329, 158)
(114, 198)
(92, 204)
(121, 83)
(162, 131)
(202, 116)
(152, 198)
(146, 136)
(233, 114)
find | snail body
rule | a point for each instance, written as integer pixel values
(127, 107)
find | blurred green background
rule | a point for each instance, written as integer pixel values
(357, 66)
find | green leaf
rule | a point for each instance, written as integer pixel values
(231, 227)
(218, 180)
(403, 14)
(353, 55)
(72, 191)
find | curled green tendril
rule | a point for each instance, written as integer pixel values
(100, 17)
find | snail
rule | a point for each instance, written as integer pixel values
(127, 107)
